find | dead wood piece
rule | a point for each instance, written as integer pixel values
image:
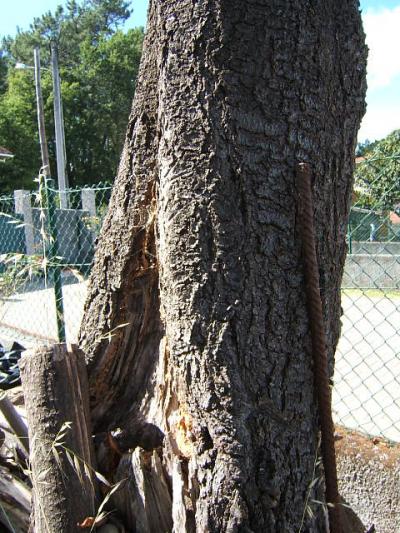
(15, 499)
(145, 500)
(56, 398)
(15, 421)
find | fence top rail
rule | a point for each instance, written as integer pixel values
(101, 186)
(96, 187)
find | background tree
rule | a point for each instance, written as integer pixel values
(378, 174)
(3, 74)
(18, 131)
(195, 325)
(98, 66)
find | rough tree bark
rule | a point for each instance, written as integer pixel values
(196, 320)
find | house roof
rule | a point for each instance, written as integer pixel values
(4, 153)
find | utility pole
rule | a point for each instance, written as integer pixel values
(59, 127)
(40, 114)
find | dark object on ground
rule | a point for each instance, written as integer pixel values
(9, 370)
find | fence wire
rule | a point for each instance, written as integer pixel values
(46, 254)
(366, 394)
(45, 258)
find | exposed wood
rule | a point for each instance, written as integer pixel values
(130, 266)
(145, 500)
(54, 382)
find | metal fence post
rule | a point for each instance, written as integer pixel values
(23, 207)
(349, 238)
(89, 201)
(88, 197)
(54, 266)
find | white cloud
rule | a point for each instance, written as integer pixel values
(379, 121)
(382, 28)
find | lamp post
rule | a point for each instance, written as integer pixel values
(40, 113)
(59, 127)
(40, 110)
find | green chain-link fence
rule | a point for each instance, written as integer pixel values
(45, 258)
(46, 253)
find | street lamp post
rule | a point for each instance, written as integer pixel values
(40, 113)
(59, 128)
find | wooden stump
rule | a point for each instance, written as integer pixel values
(54, 381)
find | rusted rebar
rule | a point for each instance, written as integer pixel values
(318, 336)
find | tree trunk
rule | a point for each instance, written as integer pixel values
(196, 318)
(61, 457)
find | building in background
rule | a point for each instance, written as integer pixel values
(5, 154)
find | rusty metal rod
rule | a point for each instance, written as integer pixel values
(318, 337)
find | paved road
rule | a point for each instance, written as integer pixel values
(367, 379)
(33, 314)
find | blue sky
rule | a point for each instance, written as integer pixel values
(382, 27)
(21, 13)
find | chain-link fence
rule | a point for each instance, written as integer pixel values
(46, 253)
(366, 394)
(45, 258)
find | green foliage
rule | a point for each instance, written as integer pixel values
(16, 270)
(377, 177)
(98, 68)
(101, 90)
(18, 132)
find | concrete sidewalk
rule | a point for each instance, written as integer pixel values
(31, 316)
